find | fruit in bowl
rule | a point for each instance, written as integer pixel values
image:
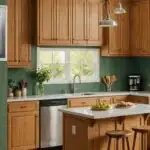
(101, 106)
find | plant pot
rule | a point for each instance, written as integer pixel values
(10, 92)
(24, 92)
(18, 93)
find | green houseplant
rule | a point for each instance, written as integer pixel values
(42, 75)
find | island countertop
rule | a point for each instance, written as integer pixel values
(115, 112)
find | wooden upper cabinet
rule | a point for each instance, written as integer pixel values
(116, 39)
(140, 28)
(115, 33)
(125, 30)
(145, 27)
(79, 22)
(46, 22)
(135, 28)
(69, 22)
(19, 33)
(64, 24)
(94, 14)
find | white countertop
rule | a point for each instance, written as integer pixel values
(115, 112)
(76, 95)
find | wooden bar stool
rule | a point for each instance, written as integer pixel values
(143, 130)
(118, 134)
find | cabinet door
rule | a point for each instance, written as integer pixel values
(114, 33)
(12, 54)
(46, 22)
(23, 130)
(135, 29)
(79, 22)
(125, 29)
(19, 33)
(23, 32)
(144, 27)
(64, 22)
(94, 14)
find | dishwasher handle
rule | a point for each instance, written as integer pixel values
(56, 102)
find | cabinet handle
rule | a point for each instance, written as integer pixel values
(23, 107)
(83, 103)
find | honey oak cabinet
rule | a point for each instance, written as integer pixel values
(23, 125)
(53, 22)
(117, 99)
(82, 102)
(86, 15)
(19, 33)
(68, 22)
(116, 39)
(140, 28)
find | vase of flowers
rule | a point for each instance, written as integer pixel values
(42, 75)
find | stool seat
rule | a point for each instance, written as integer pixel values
(119, 133)
(141, 129)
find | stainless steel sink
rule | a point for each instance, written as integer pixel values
(87, 93)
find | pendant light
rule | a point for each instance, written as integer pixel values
(108, 21)
(120, 9)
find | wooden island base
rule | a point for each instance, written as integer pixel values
(89, 134)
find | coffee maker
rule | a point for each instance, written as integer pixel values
(134, 82)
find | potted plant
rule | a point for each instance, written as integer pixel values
(11, 86)
(42, 75)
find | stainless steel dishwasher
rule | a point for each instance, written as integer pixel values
(51, 122)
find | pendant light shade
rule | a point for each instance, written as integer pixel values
(107, 21)
(120, 9)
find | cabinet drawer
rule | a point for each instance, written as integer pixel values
(22, 106)
(139, 99)
(82, 102)
(105, 100)
(118, 99)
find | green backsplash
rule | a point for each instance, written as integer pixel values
(108, 65)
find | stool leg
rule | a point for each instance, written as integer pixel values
(134, 140)
(128, 145)
(122, 143)
(109, 143)
(117, 144)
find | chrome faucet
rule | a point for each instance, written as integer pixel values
(74, 79)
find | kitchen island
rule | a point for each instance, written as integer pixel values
(84, 129)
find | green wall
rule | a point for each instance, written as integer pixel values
(108, 65)
(3, 101)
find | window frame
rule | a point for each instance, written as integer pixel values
(68, 79)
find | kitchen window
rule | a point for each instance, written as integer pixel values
(66, 62)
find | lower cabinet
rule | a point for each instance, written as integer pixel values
(23, 125)
(117, 99)
(82, 102)
(139, 99)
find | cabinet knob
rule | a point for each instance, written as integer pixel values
(23, 107)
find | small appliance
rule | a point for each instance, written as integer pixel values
(134, 82)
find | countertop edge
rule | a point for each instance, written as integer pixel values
(74, 96)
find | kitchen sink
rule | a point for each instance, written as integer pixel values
(87, 93)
